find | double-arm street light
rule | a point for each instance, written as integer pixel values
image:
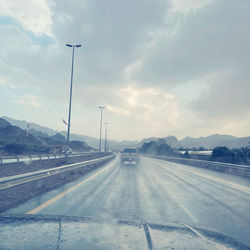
(100, 140)
(71, 82)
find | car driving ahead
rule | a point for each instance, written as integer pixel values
(130, 156)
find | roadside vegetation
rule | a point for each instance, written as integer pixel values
(220, 154)
(237, 156)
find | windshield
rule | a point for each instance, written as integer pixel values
(133, 111)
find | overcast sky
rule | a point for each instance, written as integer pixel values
(160, 67)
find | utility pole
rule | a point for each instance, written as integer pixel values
(100, 139)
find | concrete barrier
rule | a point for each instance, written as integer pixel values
(234, 169)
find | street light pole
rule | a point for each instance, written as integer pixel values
(71, 83)
(100, 140)
(106, 137)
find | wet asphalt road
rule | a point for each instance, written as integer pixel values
(155, 191)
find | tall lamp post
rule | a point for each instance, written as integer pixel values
(100, 140)
(106, 137)
(71, 82)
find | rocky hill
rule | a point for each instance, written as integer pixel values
(14, 134)
(79, 146)
(14, 140)
(23, 125)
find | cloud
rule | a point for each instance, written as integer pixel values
(112, 32)
(136, 55)
(144, 109)
(13, 86)
(30, 100)
(185, 7)
(2, 82)
(206, 41)
(118, 110)
(23, 63)
(212, 46)
(34, 16)
(226, 95)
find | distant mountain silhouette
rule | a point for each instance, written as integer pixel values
(14, 134)
(208, 142)
(23, 125)
(215, 141)
(43, 132)
(14, 140)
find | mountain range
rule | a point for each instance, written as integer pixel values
(37, 130)
(14, 140)
(215, 140)
(208, 142)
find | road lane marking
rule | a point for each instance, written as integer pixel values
(176, 200)
(59, 196)
(216, 180)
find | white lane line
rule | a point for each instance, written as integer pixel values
(59, 196)
(172, 196)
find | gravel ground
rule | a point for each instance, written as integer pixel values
(14, 196)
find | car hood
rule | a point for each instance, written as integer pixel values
(64, 232)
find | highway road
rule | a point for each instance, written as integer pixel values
(155, 191)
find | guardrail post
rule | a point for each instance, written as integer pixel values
(55, 156)
(1, 159)
(17, 158)
(30, 157)
(40, 157)
(48, 156)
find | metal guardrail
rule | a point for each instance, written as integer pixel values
(236, 169)
(22, 158)
(10, 181)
